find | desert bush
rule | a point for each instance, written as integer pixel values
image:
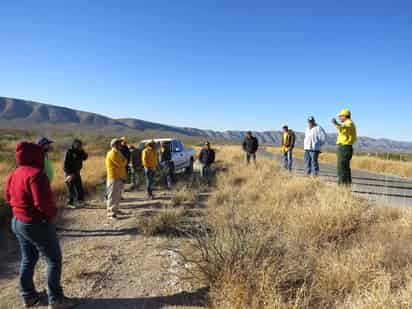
(166, 222)
(184, 195)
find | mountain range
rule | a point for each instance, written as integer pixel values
(23, 114)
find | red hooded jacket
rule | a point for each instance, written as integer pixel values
(28, 190)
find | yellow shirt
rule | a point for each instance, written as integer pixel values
(150, 158)
(346, 133)
(115, 165)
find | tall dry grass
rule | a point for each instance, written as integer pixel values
(366, 163)
(274, 240)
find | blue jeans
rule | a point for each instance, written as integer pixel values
(311, 159)
(288, 160)
(34, 238)
(149, 173)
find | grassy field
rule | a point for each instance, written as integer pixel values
(362, 161)
(274, 240)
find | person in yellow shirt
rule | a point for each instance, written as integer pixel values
(116, 175)
(347, 136)
(150, 161)
(288, 144)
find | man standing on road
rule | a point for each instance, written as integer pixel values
(288, 144)
(116, 174)
(46, 145)
(347, 136)
(206, 159)
(29, 194)
(150, 160)
(73, 163)
(250, 146)
(315, 137)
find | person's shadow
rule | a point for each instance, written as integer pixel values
(194, 299)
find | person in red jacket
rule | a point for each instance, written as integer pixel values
(29, 194)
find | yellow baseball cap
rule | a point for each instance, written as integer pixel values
(345, 112)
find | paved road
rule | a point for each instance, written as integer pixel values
(386, 190)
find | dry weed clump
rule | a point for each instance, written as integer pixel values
(166, 222)
(185, 195)
(274, 240)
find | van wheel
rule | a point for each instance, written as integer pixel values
(189, 169)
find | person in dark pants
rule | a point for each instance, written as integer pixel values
(166, 161)
(288, 144)
(150, 161)
(136, 167)
(73, 163)
(315, 137)
(206, 159)
(347, 136)
(29, 194)
(250, 146)
(125, 151)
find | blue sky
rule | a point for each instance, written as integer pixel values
(215, 64)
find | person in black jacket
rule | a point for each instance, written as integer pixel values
(206, 158)
(73, 163)
(136, 167)
(250, 146)
(125, 151)
(167, 163)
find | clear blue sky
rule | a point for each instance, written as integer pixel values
(215, 64)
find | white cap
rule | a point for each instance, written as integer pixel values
(114, 142)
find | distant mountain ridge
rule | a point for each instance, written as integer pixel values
(17, 113)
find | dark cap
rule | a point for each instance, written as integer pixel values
(311, 119)
(44, 141)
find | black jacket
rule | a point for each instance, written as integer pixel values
(207, 156)
(136, 157)
(250, 145)
(165, 155)
(73, 161)
(125, 151)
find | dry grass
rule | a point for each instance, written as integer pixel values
(274, 240)
(166, 222)
(372, 164)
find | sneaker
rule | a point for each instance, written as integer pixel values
(71, 206)
(81, 204)
(119, 212)
(64, 303)
(34, 300)
(112, 217)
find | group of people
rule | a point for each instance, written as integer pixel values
(315, 138)
(29, 192)
(124, 162)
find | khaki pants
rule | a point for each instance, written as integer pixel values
(114, 195)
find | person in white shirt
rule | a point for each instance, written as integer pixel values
(315, 137)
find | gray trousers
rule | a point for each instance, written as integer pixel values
(113, 194)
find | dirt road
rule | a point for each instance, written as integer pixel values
(109, 264)
(385, 190)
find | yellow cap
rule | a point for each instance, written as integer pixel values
(123, 139)
(345, 112)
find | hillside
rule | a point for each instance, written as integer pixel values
(22, 114)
